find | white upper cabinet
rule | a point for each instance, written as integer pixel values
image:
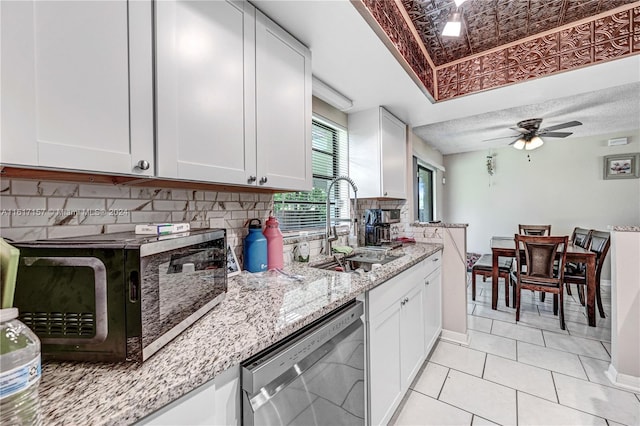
(233, 97)
(205, 93)
(378, 154)
(283, 108)
(77, 87)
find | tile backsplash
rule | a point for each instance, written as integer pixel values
(36, 209)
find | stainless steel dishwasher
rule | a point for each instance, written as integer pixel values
(316, 377)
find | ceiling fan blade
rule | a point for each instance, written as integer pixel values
(495, 139)
(561, 126)
(520, 129)
(514, 141)
(555, 134)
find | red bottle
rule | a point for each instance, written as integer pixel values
(275, 245)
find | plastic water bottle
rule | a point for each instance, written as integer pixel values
(275, 244)
(255, 248)
(20, 371)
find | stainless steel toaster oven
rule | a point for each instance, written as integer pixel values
(116, 297)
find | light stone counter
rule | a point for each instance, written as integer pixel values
(250, 319)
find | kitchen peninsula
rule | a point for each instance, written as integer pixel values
(253, 317)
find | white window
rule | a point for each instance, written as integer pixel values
(307, 210)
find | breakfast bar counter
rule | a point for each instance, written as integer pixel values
(255, 314)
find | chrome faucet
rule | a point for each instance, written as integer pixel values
(329, 238)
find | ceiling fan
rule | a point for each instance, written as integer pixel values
(530, 133)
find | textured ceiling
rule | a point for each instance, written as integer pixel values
(491, 23)
(604, 111)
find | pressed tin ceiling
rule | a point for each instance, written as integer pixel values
(503, 42)
(488, 24)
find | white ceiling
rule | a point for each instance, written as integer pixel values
(349, 56)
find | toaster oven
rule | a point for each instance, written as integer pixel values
(116, 297)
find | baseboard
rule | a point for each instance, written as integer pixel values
(625, 381)
(455, 337)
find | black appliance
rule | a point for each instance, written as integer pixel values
(116, 297)
(377, 226)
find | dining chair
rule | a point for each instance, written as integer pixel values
(543, 230)
(484, 267)
(581, 238)
(541, 254)
(599, 243)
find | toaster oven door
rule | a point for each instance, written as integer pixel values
(74, 301)
(178, 286)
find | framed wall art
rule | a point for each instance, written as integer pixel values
(621, 166)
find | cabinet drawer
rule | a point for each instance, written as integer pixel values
(433, 262)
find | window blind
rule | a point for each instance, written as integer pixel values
(307, 210)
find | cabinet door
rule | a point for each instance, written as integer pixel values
(77, 79)
(205, 90)
(384, 364)
(283, 108)
(411, 334)
(394, 156)
(432, 309)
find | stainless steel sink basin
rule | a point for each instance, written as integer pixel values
(361, 260)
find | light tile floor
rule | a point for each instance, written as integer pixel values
(525, 373)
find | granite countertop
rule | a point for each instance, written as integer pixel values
(253, 316)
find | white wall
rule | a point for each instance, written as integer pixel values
(560, 184)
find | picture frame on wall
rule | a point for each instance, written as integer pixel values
(233, 267)
(621, 166)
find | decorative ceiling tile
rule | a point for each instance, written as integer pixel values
(530, 70)
(612, 49)
(576, 37)
(576, 58)
(611, 27)
(494, 79)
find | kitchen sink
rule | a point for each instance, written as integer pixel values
(357, 261)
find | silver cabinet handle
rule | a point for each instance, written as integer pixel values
(143, 165)
(427, 282)
(263, 180)
(435, 260)
(251, 179)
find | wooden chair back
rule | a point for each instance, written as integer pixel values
(545, 258)
(599, 243)
(581, 237)
(542, 230)
(540, 254)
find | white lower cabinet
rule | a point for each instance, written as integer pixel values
(217, 402)
(432, 301)
(396, 340)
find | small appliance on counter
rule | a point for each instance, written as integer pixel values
(377, 226)
(117, 297)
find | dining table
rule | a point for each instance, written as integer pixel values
(506, 246)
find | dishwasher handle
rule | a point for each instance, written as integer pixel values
(264, 369)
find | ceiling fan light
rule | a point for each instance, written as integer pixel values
(453, 27)
(535, 142)
(519, 144)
